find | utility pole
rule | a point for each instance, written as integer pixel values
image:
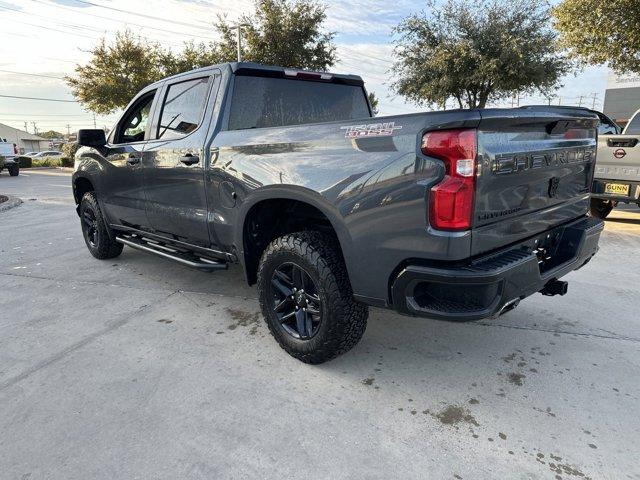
(559, 100)
(239, 28)
(580, 102)
(94, 121)
(26, 129)
(35, 128)
(68, 130)
(595, 97)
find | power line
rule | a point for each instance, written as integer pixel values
(129, 12)
(75, 10)
(45, 114)
(354, 51)
(67, 25)
(31, 74)
(52, 29)
(38, 98)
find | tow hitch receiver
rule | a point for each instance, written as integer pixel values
(555, 287)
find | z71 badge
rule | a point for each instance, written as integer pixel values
(371, 130)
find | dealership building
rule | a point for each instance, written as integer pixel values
(622, 98)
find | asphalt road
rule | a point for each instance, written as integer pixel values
(141, 368)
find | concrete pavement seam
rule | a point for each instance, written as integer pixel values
(95, 283)
(73, 347)
(565, 332)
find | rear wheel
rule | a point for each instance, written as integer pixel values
(95, 230)
(600, 208)
(14, 171)
(306, 297)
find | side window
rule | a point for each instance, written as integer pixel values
(607, 129)
(133, 126)
(183, 107)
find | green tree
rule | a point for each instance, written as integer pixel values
(373, 100)
(51, 134)
(476, 51)
(288, 33)
(69, 149)
(282, 32)
(116, 72)
(597, 32)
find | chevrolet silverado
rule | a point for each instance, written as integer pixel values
(453, 215)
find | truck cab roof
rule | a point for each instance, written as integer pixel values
(257, 69)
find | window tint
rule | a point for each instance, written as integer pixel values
(268, 102)
(182, 109)
(133, 126)
(633, 128)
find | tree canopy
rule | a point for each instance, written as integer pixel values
(476, 51)
(597, 32)
(288, 33)
(50, 134)
(282, 32)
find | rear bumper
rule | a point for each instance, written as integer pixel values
(599, 186)
(491, 284)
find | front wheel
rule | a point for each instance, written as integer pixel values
(14, 171)
(306, 297)
(95, 230)
(600, 208)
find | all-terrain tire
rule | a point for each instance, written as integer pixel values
(343, 320)
(600, 208)
(14, 171)
(97, 235)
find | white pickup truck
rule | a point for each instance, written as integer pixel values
(617, 174)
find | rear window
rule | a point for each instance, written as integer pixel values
(272, 102)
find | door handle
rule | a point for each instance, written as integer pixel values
(190, 159)
(133, 159)
(622, 142)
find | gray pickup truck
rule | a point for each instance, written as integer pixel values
(8, 154)
(617, 174)
(454, 215)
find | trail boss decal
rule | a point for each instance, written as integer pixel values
(371, 130)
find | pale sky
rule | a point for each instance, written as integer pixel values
(45, 38)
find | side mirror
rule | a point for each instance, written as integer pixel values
(91, 138)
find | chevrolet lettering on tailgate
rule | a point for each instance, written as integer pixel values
(518, 162)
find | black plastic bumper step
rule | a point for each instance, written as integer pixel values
(165, 251)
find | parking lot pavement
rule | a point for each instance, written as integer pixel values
(141, 368)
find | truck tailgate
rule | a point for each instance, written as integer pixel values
(618, 157)
(534, 172)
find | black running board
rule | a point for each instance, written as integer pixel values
(164, 251)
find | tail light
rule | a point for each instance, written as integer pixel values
(451, 201)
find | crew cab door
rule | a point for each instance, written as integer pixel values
(174, 161)
(122, 194)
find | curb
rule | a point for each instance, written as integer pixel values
(7, 202)
(63, 169)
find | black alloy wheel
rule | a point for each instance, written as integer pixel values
(99, 238)
(90, 226)
(306, 297)
(296, 302)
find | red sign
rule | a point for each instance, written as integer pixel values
(619, 153)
